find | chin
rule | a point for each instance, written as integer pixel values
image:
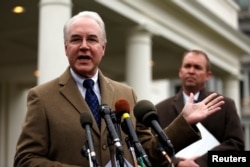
(190, 87)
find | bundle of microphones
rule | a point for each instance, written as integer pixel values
(145, 113)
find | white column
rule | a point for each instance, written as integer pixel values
(211, 84)
(52, 60)
(15, 116)
(246, 96)
(246, 83)
(232, 90)
(138, 62)
(12, 112)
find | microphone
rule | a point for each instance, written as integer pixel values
(122, 109)
(145, 112)
(116, 123)
(86, 122)
(105, 112)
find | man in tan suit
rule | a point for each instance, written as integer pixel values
(52, 134)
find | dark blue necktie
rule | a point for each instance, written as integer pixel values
(91, 99)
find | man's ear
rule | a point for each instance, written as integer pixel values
(179, 73)
(209, 75)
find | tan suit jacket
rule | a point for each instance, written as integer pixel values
(52, 134)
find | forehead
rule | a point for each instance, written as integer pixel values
(84, 25)
(195, 58)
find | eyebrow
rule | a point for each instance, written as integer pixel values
(87, 35)
(74, 35)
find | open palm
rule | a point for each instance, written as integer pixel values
(196, 112)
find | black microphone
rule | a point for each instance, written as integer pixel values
(122, 109)
(145, 112)
(116, 123)
(86, 122)
(105, 112)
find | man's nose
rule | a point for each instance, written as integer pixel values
(191, 69)
(84, 44)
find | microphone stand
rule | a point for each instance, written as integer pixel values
(171, 160)
(136, 155)
(119, 157)
(91, 164)
(86, 153)
(111, 151)
(132, 151)
(117, 160)
(119, 153)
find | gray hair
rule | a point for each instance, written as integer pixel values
(95, 16)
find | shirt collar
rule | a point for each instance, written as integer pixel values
(196, 96)
(79, 80)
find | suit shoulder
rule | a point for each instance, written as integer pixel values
(119, 85)
(226, 98)
(47, 86)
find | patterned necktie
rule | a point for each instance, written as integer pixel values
(91, 99)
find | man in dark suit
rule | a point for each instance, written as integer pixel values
(224, 125)
(52, 134)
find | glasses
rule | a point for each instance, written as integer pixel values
(90, 40)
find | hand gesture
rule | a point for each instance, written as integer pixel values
(196, 112)
(187, 162)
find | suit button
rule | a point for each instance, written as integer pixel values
(104, 147)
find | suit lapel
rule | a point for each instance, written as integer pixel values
(72, 94)
(179, 102)
(107, 96)
(70, 91)
(203, 94)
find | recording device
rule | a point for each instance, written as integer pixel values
(122, 109)
(105, 112)
(86, 122)
(145, 112)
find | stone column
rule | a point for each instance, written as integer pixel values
(52, 60)
(138, 62)
(232, 90)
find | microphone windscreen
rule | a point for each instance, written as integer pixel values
(122, 106)
(85, 119)
(145, 112)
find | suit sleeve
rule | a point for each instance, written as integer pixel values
(175, 131)
(182, 133)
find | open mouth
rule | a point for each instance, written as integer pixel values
(84, 58)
